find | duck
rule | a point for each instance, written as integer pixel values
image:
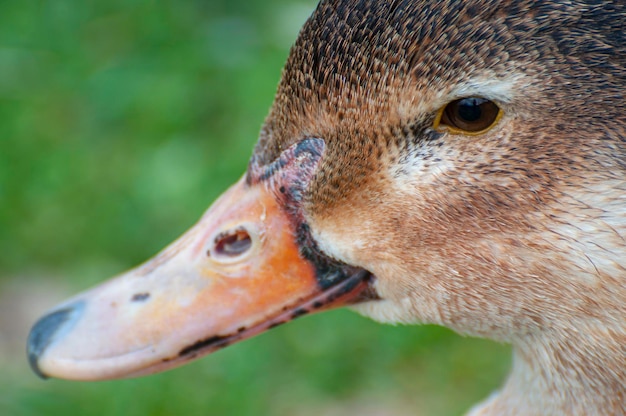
(458, 163)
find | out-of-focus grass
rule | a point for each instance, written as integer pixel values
(123, 119)
(120, 122)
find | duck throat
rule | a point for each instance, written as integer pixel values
(568, 372)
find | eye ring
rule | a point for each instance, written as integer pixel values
(471, 116)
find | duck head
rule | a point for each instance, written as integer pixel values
(456, 163)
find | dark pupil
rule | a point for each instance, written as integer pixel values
(469, 109)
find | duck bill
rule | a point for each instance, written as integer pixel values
(236, 273)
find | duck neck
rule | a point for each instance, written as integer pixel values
(566, 373)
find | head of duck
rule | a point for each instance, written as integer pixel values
(455, 163)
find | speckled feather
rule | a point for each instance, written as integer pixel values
(518, 234)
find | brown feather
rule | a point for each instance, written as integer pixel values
(518, 234)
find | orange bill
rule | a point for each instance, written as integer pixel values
(237, 272)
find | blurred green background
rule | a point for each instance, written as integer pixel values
(120, 122)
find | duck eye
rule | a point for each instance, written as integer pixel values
(471, 115)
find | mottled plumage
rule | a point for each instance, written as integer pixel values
(516, 235)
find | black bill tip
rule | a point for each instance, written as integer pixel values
(46, 330)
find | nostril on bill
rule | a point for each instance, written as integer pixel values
(232, 244)
(46, 330)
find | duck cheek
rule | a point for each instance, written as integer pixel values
(236, 273)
